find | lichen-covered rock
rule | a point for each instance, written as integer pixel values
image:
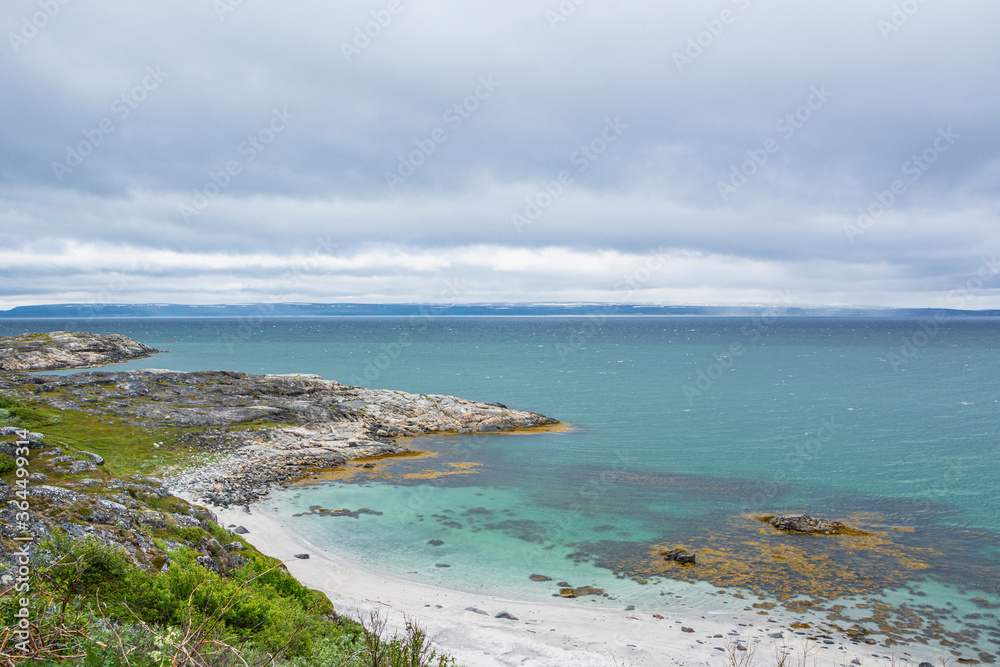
(803, 523)
(64, 349)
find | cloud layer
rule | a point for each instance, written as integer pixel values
(230, 151)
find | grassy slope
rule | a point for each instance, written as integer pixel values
(254, 609)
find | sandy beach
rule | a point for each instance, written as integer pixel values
(560, 632)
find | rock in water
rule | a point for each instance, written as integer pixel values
(803, 523)
(678, 555)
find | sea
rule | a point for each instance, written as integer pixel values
(678, 433)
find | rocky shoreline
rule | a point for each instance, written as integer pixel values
(262, 430)
(64, 349)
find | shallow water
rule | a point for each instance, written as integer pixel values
(675, 441)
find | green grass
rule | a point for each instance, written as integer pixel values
(16, 413)
(91, 605)
(127, 449)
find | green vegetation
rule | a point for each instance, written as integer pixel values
(89, 604)
(7, 464)
(127, 449)
(15, 413)
(94, 604)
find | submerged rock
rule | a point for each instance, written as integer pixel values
(580, 591)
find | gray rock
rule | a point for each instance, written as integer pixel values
(302, 556)
(507, 615)
(678, 556)
(63, 349)
(240, 530)
(97, 459)
(208, 563)
(82, 466)
(803, 523)
(233, 546)
(476, 611)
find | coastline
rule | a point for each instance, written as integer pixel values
(560, 632)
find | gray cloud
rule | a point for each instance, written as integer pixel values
(176, 108)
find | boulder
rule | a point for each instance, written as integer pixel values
(97, 459)
(803, 523)
(679, 556)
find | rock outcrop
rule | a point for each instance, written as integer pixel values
(65, 349)
(290, 423)
(803, 523)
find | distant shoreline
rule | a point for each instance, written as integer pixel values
(254, 311)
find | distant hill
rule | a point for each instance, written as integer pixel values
(68, 311)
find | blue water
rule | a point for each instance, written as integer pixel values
(675, 422)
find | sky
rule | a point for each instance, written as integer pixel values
(725, 152)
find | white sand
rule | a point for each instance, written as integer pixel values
(560, 632)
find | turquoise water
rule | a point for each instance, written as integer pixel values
(681, 427)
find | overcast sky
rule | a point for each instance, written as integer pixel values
(438, 151)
